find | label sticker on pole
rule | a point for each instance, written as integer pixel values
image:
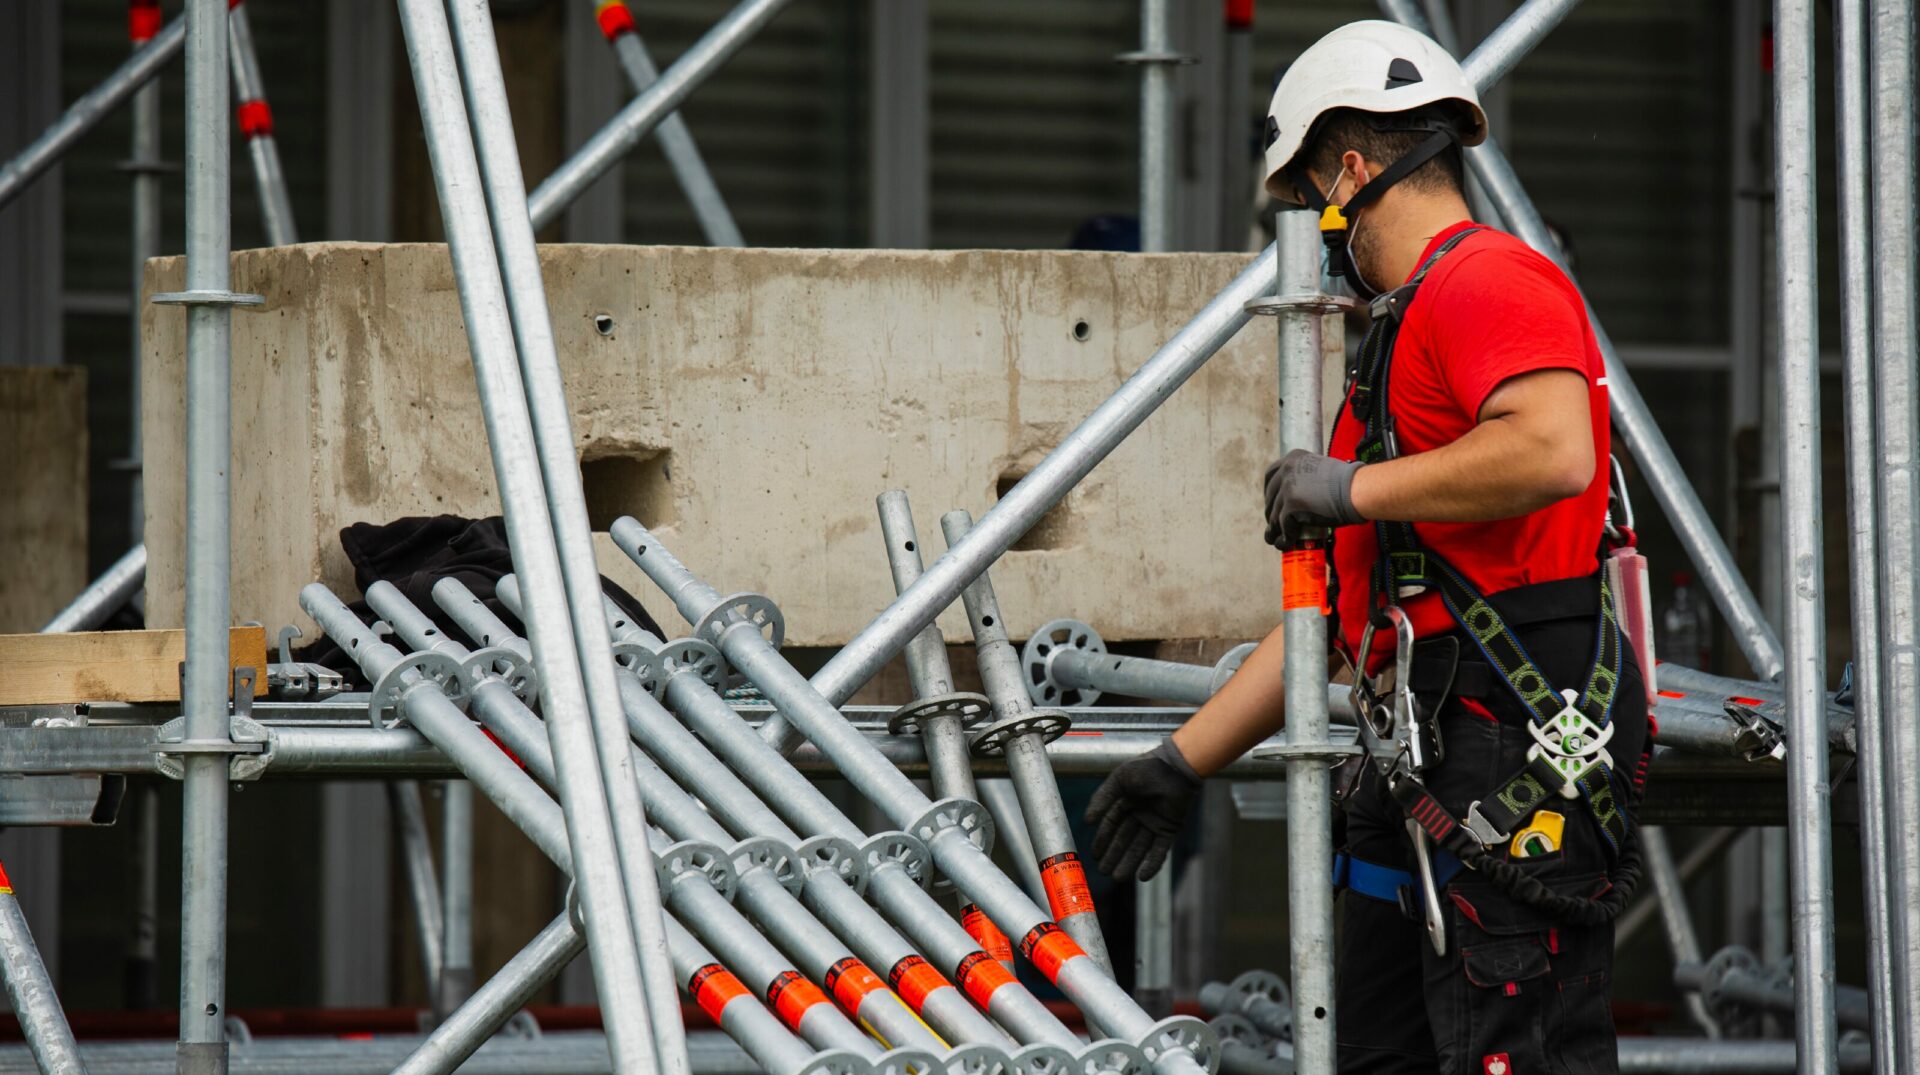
(1048, 947)
(850, 981)
(1066, 884)
(713, 987)
(614, 18)
(793, 997)
(980, 974)
(1303, 579)
(914, 978)
(985, 933)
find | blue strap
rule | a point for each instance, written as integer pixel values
(1384, 883)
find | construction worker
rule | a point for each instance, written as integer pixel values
(1464, 495)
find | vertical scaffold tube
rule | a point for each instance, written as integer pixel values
(1309, 817)
(600, 880)
(1797, 266)
(1890, 44)
(1156, 126)
(456, 894)
(1855, 219)
(207, 688)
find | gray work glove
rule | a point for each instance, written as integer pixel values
(1306, 490)
(1139, 810)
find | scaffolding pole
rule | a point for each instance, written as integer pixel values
(676, 141)
(254, 117)
(645, 112)
(30, 989)
(600, 882)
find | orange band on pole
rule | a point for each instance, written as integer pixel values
(1303, 579)
(980, 974)
(914, 978)
(614, 18)
(6, 883)
(793, 997)
(143, 20)
(254, 118)
(850, 981)
(985, 933)
(1066, 884)
(1239, 14)
(1048, 947)
(714, 987)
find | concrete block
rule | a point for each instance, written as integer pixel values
(749, 405)
(43, 492)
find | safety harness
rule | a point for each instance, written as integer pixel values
(1571, 731)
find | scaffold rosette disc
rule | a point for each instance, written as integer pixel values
(1043, 1059)
(972, 709)
(1183, 1032)
(1111, 1056)
(437, 669)
(976, 1058)
(971, 818)
(1048, 724)
(696, 655)
(836, 1062)
(767, 853)
(697, 856)
(1036, 659)
(902, 849)
(757, 610)
(836, 856)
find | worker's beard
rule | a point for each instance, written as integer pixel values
(1363, 246)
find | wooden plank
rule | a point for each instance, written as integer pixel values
(111, 666)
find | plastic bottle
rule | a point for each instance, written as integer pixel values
(1683, 627)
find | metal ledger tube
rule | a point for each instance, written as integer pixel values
(256, 126)
(30, 989)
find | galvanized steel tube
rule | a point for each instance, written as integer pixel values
(456, 893)
(1156, 126)
(1890, 44)
(566, 502)
(103, 596)
(927, 665)
(256, 126)
(1796, 247)
(1855, 220)
(676, 141)
(86, 113)
(423, 881)
(207, 688)
(1090, 988)
(1671, 897)
(1135, 677)
(510, 439)
(644, 112)
(463, 1032)
(1061, 873)
(1309, 809)
(30, 989)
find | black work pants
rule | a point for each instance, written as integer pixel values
(1517, 993)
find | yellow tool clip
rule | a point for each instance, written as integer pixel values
(1541, 836)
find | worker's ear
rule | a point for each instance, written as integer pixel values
(1355, 172)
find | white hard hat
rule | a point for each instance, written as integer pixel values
(1372, 66)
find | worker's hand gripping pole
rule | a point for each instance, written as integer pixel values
(1021, 733)
(1176, 1046)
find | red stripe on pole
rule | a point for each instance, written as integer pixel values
(143, 20)
(254, 118)
(1239, 14)
(614, 18)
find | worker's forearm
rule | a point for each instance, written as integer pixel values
(1498, 470)
(1248, 709)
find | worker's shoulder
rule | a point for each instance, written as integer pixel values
(1493, 258)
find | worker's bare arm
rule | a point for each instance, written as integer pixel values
(1248, 709)
(1533, 446)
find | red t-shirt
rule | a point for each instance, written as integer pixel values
(1491, 309)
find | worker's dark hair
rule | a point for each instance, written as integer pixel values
(1386, 137)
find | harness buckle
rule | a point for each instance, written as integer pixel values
(1571, 743)
(1481, 829)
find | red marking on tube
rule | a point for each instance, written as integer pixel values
(614, 18)
(511, 756)
(1737, 700)
(6, 883)
(1239, 14)
(1066, 885)
(1303, 579)
(714, 987)
(850, 981)
(985, 933)
(1048, 948)
(254, 119)
(231, 4)
(914, 978)
(793, 997)
(980, 974)
(143, 20)
(1671, 694)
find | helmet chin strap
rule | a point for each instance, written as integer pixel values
(1336, 221)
